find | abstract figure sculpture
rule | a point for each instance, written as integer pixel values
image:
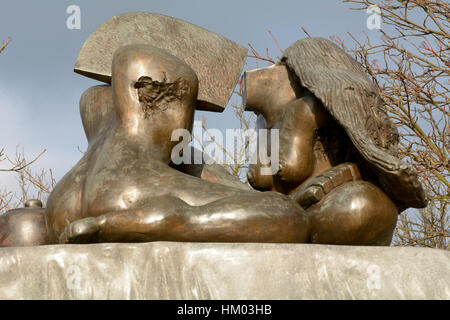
(339, 180)
(123, 189)
(217, 61)
(337, 145)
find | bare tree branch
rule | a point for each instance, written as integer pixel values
(411, 67)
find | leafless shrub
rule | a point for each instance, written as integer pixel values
(32, 184)
(4, 44)
(410, 65)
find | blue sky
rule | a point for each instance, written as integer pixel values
(39, 92)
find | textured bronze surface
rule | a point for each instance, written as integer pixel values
(355, 213)
(216, 60)
(332, 124)
(348, 94)
(124, 189)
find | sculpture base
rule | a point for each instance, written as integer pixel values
(171, 270)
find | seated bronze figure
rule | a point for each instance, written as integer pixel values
(338, 149)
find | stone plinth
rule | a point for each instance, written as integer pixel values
(170, 270)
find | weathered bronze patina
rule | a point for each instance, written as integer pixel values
(216, 60)
(332, 125)
(339, 180)
(123, 188)
(24, 226)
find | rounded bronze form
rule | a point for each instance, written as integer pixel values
(217, 61)
(337, 146)
(124, 189)
(33, 203)
(348, 94)
(24, 227)
(348, 216)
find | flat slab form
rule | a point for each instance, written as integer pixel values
(217, 61)
(171, 270)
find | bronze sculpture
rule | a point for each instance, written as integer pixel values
(217, 61)
(24, 226)
(339, 174)
(124, 189)
(332, 126)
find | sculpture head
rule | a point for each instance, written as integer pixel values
(268, 90)
(154, 92)
(339, 87)
(275, 94)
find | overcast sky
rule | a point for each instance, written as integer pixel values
(39, 92)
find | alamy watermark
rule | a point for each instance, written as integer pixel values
(374, 20)
(263, 147)
(73, 21)
(73, 277)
